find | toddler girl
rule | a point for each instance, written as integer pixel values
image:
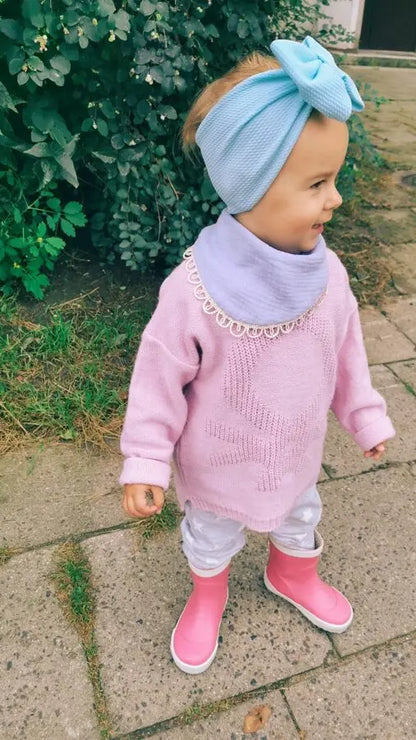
(255, 337)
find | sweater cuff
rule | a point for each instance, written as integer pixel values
(375, 433)
(149, 472)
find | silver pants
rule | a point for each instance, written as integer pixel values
(209, 541)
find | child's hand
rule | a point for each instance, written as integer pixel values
(141, 499)
(376, 452)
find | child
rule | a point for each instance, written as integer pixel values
(255, 337)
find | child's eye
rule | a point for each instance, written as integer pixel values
(317, 184)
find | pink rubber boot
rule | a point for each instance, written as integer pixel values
(292, 574)
(195, 638)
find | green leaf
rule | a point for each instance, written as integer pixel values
(107, 109)
(83, 41)
(117, 141)
(242, 29)
(11, 29)
(169, 112)
(67, 227)
(31, 9)
(35, 63)
(56, 241)
(146, 7)
(106, 7)
(39, 150)
(5, 99)
(17, 216)
(72, 207)
(68, 169)
(56, 77)
(54, 204)
(41, 230)
(122, 20)
(51, 221)
(102, 127)
(62, 64)
(22, 78)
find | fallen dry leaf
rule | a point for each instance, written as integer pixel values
(256, 718)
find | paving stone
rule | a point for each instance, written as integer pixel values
(371, 696)
(391, 192)
(368, 526)
(342, 456)
(396, 226)
(229, 724)
(57, 491)
(402, 262)
(391, 82)
(141, 593)
(402, 313)
(407, 373)
(44, 689)
(384, 342)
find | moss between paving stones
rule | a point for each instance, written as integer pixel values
(74, 590)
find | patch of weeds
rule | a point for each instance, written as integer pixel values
(202, 711)
(410, 389)
(65, 369)
(166, 521)
(6, 553)
(72, 582)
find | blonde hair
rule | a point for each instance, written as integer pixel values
(253, 64)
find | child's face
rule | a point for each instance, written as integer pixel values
(303, 196)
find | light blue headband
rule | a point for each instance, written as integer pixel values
(248, 135)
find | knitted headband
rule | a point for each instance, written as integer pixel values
(246, 138)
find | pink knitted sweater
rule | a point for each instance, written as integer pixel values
(244, 417)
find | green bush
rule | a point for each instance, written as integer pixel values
(94, 96)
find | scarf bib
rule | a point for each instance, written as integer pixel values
(250, 286)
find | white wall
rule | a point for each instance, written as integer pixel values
(349, 13)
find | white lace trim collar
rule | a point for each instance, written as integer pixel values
(239, 328)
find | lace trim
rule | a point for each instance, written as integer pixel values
(239, 328)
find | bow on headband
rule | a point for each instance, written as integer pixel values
(248, 135)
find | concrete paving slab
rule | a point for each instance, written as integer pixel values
(57, 491)
(141, 593)
(392, 192)
(44, 689)
(393, 83)
(369, 697)
(229, 724)
(402, 313)
(368, 526)
(384, 342)
(407, 373)
(402, 262)
(397, 226)
(342, 456)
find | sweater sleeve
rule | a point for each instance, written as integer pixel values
(360, 409)
(157, 408)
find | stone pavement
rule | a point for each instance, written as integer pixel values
(353, 686)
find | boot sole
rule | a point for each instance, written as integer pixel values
(327, 626)
(188, 667)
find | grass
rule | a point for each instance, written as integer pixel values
(6, 553)
(72, 582)
(166, 521)
(65, 375)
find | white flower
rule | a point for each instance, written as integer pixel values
(149, 79)
(112, 36)
(132, 143)
(143, 207)
(94, 124)
(162, 117)
(42, 41)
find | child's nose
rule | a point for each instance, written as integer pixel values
(334, 200)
